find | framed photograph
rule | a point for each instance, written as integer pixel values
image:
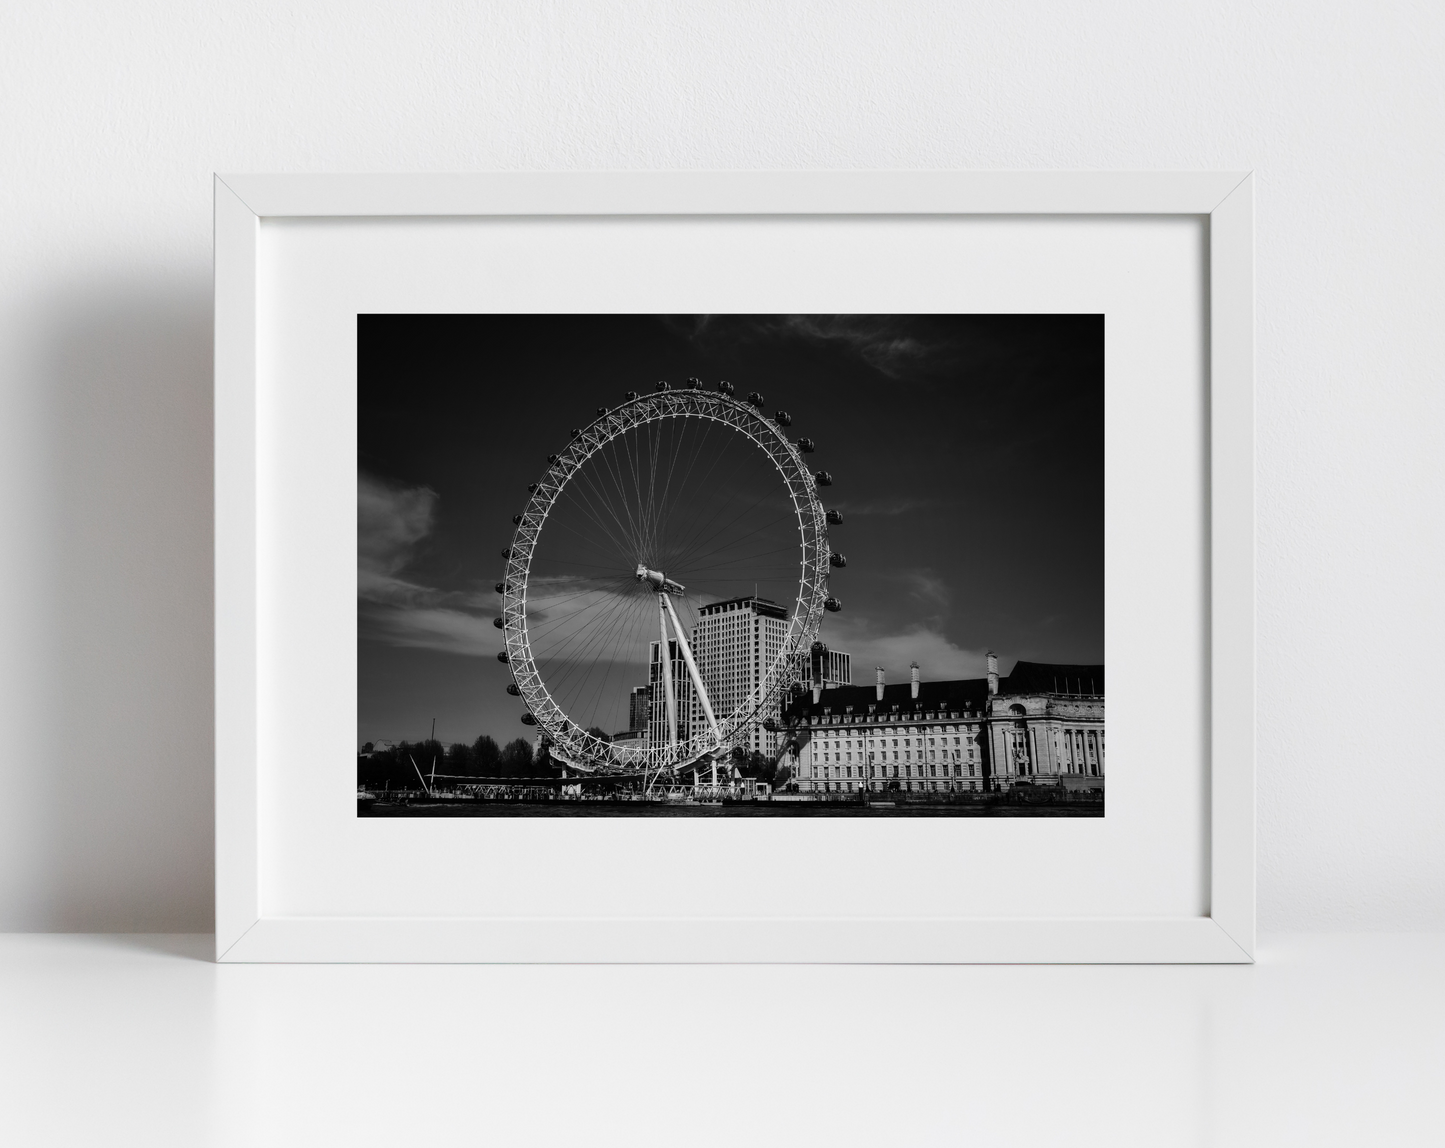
(724, 567)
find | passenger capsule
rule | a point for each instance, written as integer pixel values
(513, 690)
(507, 553)
(832, 605)
(726, 387)
(528, 719)
(694, 384)
(576, 432)
(629, 396)
(516, 520)
(756, 399)
(817, 649)
(497, 622)
(552, 459)
(502, 657)
(783, 419)
(837, 560)
(807, 445)
(835, 518)
(771, 725)
(501, 587)
(823, 478)
(663, 385)
(601, 411)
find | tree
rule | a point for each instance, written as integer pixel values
(459, 760)
(597, 732)
(486, 757)
(517, 758)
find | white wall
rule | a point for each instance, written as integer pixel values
(113, 116)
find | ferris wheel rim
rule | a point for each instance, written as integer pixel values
(569, 740)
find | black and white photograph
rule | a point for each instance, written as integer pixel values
(730, 565)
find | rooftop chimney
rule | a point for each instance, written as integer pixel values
(913, 679)
(879, 686)
(992, 672)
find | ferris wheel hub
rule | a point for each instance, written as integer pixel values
(658, 580)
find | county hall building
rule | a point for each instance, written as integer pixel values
(1041, 723)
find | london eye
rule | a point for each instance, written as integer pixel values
(651, 515)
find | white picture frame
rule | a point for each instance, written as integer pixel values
(1225, 933)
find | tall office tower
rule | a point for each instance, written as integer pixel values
(637, 708)
(734, 643)
(687, 706)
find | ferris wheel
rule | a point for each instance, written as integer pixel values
(659, 513)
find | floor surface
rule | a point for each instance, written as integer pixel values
(120, 1040)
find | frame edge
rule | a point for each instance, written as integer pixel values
(1232, 543)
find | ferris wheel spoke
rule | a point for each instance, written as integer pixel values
(704, 528)
(606, 679)
(606, 634)
(613, 467)
(549, 626)
(692, 456)
(788, 516)
(597, 518)
(559, 648)
(676, 453)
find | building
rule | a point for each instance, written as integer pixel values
(1047, 721)
(637, 711)
(1042, 723)
(734, 642)
(688, 710)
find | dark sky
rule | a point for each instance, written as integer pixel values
(967, 454)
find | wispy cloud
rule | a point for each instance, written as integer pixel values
(891, 345)
(883, 507)
(898, 346)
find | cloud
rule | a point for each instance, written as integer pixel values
(433, 628)
(898, 346)
(393, 522)
(938, 658)
(884, 507)
(889, 344)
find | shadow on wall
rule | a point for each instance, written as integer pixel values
(123, 808)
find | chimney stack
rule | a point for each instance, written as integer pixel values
(992, 673)
(879, 687)
(913, 676)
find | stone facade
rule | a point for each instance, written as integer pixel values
(1043, 723)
